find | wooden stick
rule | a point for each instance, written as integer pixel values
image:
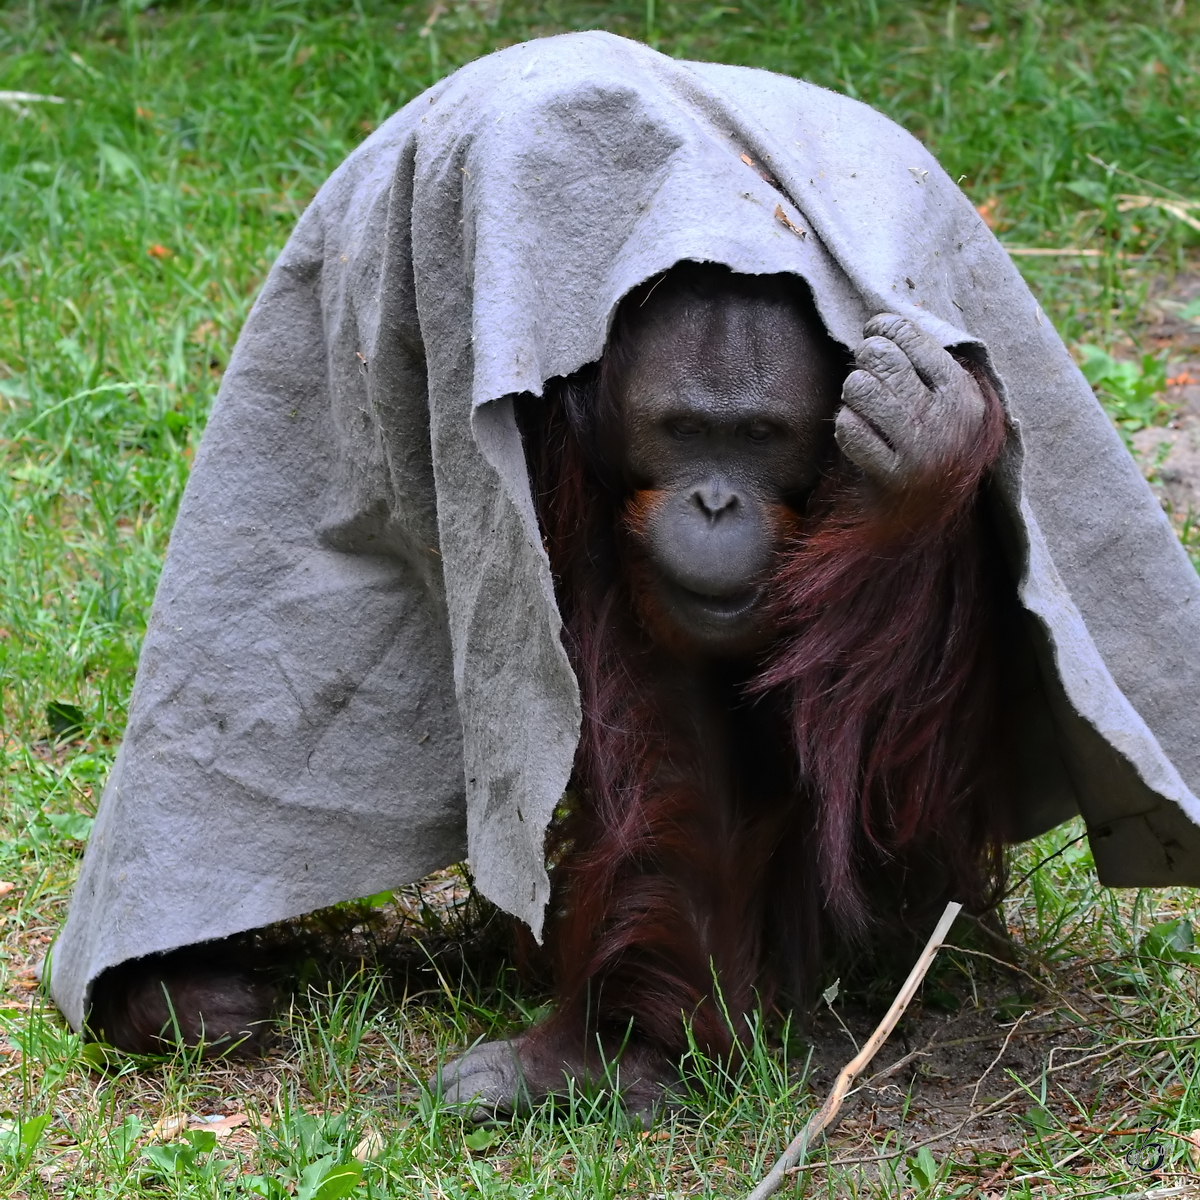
(824, 1116)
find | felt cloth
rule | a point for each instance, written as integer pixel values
(352, 673)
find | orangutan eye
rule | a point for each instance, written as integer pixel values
(685, 427)
(759, 431)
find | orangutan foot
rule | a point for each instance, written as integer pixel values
(493, 1080)
(153, 1005)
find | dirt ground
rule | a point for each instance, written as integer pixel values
(1170, 457)
(996, 1049)
(946, 1079)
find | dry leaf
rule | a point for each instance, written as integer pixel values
(780, 215)
(987, 210)
(167, 1128)
(370, 1146)
(1193, 1141)
(6, 886)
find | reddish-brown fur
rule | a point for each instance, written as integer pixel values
(886, 661)
(852, 781)
(198, 996)
(727, 820)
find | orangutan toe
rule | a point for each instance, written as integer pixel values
(486, 1082)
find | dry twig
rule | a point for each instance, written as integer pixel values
(992, 1065)
(824, 1116)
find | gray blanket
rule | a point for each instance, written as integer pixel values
(352, 673)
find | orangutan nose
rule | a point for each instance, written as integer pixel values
(715, 501)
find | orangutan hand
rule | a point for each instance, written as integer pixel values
(910, 411)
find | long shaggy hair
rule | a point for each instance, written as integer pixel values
(858, 786)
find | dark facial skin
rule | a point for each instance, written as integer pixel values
(725, 414)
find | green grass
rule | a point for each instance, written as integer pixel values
(138, 219)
